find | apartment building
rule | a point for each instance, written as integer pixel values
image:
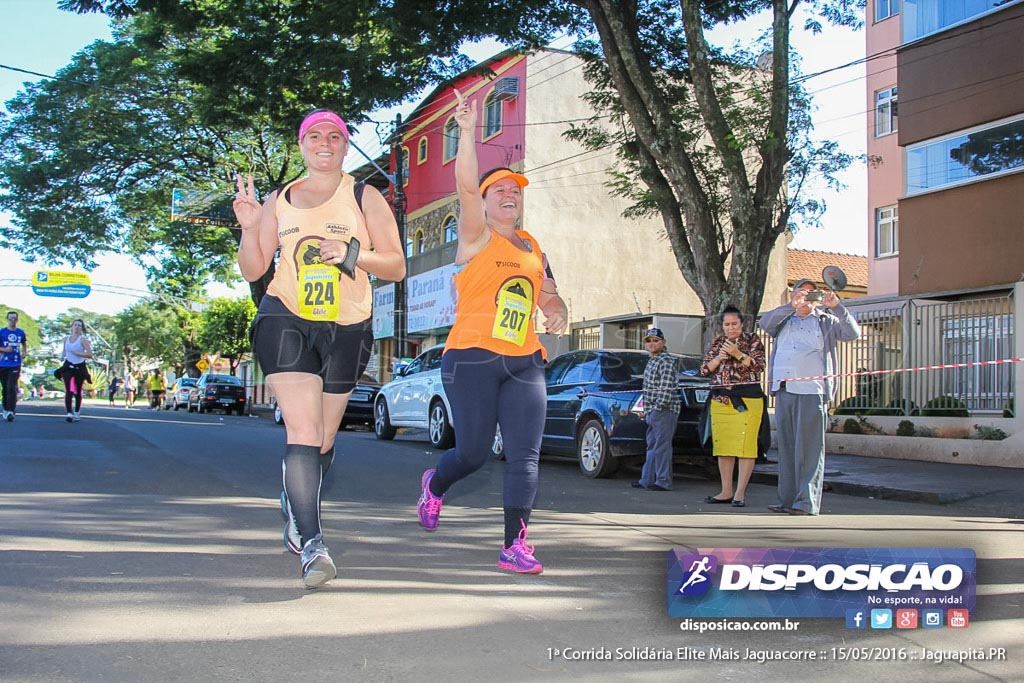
(945, 141)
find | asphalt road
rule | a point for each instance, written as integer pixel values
(141, 546)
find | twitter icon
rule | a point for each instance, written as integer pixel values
(881, 618)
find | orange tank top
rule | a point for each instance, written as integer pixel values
(497, 298)
(300, 232)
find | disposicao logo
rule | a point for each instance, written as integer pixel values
(818, 582)
(697, 580)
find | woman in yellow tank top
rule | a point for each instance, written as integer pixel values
(312, 334)
(493, 364)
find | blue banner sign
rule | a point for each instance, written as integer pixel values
(63, 283)
(818, 582)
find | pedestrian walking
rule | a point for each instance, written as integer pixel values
(662, 403)
(13, 347)
(806, 331)
(313, 333)
(112, 387)
(157, 388)
(736, 404)
(129, 390)
(493, 362)
(74, 372)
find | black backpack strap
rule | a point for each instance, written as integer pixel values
(357, 190)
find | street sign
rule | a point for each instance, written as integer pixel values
(61, 283)
(203, 208)
(202, 365)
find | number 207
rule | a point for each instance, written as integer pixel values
(512, 320)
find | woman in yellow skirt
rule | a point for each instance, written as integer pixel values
(734, 362)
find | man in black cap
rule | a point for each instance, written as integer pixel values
(661, 412)
(806, 331)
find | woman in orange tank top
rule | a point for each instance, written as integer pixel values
(493, 365)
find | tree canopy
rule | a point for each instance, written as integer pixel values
(717, 141)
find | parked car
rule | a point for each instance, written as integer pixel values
(595, 409)
(360, 404)
(415, 398)
(223, 392)
(177, 395)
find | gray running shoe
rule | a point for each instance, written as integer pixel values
(317, 566)
(292, 537)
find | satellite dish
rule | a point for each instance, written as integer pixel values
(764, 60)
(834, 278)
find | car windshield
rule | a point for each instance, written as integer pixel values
(224, 379)
(188, 382)
(622, 366)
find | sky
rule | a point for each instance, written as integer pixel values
(839, 97)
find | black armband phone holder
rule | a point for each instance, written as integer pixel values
(348, 266)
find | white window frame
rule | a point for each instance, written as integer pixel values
(886, 111)
(421, 150)
(937, 142)
(450, 228)
(890, 7)
(887, 220)
(451, 140)
(493, 109)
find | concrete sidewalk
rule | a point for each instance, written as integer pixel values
(972, 486)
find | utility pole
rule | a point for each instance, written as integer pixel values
(399, 204)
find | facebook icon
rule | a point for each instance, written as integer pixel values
(855, 618)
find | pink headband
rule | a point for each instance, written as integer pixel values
(318, 117)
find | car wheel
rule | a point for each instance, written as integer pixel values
(440, 427)
(188, 406)
(199, 407)
(176, 405)
(592, 451)
(382, 421)
(278, 415)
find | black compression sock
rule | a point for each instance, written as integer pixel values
(302, 486)
(515, 518)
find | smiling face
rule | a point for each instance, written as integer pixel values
(503, 201)
(324, 147)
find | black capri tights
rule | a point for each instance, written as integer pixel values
(486, 389)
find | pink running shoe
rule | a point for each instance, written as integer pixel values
(519, 558)
(429, 508)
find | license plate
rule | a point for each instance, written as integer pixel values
(361, 397)
(701, 394)
(225, 400)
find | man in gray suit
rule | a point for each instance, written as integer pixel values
(806, 331)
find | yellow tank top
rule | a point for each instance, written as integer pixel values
(500, 274)
(300, 232)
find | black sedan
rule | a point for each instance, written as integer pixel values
(221, 392)
(360, 404)
(595, 409)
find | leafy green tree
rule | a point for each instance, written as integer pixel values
(713, 140)
(149, 333)
(224, 328)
